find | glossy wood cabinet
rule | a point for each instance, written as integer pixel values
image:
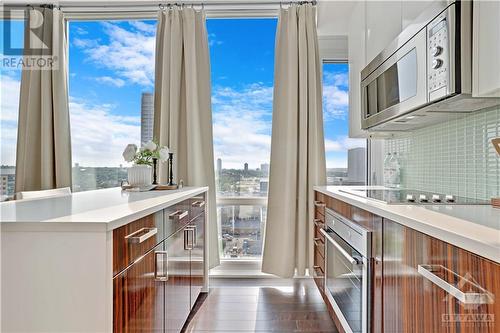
(428, 285)
(421, 284)
(139, 297)
(159, 265)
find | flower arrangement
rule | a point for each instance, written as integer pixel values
(146, 154)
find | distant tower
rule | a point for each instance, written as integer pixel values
(147, 116)
(264, 168)
(246, 167)
(219, 165)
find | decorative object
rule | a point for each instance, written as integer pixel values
(171, 169)
(139, 175)
(143, 173)
(155, 161)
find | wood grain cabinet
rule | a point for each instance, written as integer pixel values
(432, 286)
(421, 284)
(160, 269)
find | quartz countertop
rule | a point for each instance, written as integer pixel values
(475, 228)
(104, 209)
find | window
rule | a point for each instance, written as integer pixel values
(345, 157)
(10, 83)
(242, 64)
(111, 80)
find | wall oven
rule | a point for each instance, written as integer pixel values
(347, 265)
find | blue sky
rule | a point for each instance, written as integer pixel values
(112, 63)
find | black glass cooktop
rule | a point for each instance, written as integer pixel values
(405, 196)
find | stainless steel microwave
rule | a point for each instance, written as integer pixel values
(425, 75)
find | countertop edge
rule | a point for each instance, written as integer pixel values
(62, 224)
(483, 249)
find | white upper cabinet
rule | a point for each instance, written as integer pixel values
(486, 49)
(383, 24)
(357, 60)
(410, 10)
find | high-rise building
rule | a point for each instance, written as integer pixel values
(219, 165)
(7, 182)
(246, 167)
(264, 168)
(356, 166)
(147, 117)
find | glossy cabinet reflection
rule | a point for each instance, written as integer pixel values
(159, 268)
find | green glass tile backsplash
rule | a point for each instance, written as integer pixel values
(455, 157)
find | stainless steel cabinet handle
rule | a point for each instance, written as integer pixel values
(195, 234)
(141, 235)
(352, 260)
(483, 297)
(178, 215)
(161, 266)
(198, 204)
(188, 238)
(319, 204)
(319, 223)
(318, 242)
(316, 269)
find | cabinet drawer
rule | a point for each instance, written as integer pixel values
(176, 217)
(133, 240)
(197, 206)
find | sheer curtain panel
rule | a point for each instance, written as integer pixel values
(43, 158)
(297, 144)
(183, 113)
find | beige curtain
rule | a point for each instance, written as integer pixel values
(183, 114)
(43, 159)
(297, 144)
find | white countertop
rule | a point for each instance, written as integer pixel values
(475, 228)
(104, 209)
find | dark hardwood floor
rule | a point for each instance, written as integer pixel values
(261, 305)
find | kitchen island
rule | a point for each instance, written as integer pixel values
(103, 261)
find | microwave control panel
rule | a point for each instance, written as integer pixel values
(438, 64)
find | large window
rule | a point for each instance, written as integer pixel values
(242, 64)
(345, 157)
(10, 83)
(111, 80)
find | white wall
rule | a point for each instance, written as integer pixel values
(333, 17)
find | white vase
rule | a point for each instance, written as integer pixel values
(139, 175)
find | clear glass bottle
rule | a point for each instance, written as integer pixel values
(396, 169)
(387, 170)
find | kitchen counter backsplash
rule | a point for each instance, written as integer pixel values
(455, 157)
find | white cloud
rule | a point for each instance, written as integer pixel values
(129, 54)
(212, 40)
(144, 27)
(98, 136)
(9, 110)
(343, 144)
(242, 125)
(117, 82)
(335, 95)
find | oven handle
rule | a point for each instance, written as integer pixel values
(352, 260)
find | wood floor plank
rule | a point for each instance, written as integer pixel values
(261, 305)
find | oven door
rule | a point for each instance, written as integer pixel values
(398, 85)
(346, 282)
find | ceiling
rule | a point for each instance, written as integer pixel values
(333, 16)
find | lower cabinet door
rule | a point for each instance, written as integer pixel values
(139, 295)
(197, 253)
(178, 285)
(432, 286)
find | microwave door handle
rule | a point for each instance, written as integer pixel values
(352, 260)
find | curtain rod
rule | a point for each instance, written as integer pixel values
(127, 5)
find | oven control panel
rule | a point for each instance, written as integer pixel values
(438, 64)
